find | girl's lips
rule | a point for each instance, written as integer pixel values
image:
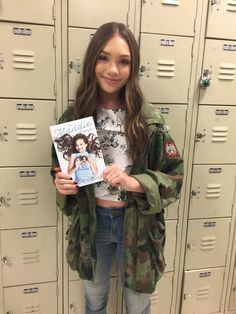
(110, 81)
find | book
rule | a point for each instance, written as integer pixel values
(78, 150)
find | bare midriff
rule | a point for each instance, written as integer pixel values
(109, 204)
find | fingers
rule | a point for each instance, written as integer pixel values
(64, 184)
(113, 175)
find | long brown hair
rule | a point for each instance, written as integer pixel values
(87, 94)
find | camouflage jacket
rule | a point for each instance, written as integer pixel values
(160, 172)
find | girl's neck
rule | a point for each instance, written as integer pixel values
(108, 101)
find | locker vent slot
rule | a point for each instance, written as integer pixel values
(155, 297)
(208, 243)
(26, 132)
(30, 257)
(219, 134)
(231, 5)
(23, 59)
(227, 71)
(166, 68)
(28, 197)
(31, 308)
(203, 292)
(172, 2)
(213, 190)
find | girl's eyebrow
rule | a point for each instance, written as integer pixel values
(107, 53)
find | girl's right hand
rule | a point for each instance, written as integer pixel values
(64, 183)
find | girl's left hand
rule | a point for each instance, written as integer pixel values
(115, 176)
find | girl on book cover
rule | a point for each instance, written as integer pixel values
(81, 152)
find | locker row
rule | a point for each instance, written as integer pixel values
(201, 288)
(24, 62)
(219, 13)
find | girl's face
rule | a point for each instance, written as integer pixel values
(80, 145)
(113, 65)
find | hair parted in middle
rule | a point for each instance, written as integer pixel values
(87, 95)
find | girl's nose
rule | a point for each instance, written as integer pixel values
(113, 69)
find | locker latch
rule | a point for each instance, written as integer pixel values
(206, 78)
(213, 2)
(144, 70)
(200, 136)
(73, 307)
(76, 66)
(7, 261)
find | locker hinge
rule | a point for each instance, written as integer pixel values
(54, 40)
(54, 11)
(127, 18)
(56, 112)
(57, 291)
(55, 88)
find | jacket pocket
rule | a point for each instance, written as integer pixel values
(157, 237)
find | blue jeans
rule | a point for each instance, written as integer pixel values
(109, 242)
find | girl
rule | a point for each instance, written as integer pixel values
(146, 177)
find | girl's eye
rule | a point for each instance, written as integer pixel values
(125, 61)
(102, 58)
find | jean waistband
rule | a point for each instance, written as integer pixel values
(110, 211)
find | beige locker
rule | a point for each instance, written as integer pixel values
(165, 67)
(24, 132)
(29, 256)
(37, 298)
(79, 39)
(232, 304)
(220, 62)
(202, 291)
(77, 300)
(93, 13)
(170, 246)
(27, 198)
(215, 135)
(27, 11)
(207, 243)
(212, 191)
(156, 17)
(222, 19)
(27, 66)
(162, 296)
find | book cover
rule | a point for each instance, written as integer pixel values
(78, 150)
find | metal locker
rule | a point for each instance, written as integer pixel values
(202, 291)
(26, 132)
(212, 191)
(232, 304)
(37, 298)
(221, 13)
(29, 256)
(78, 41)
(170, 247)
(165, 67)
(215, 135)
(207, 243)
(27, 66)
(77, 301)
(162, 296)
(156, 17)
(93, 13)
(27, 11)
(27, 198)
(219, 67)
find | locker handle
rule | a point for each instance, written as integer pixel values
(7, 261)
(73, 307)
(213, 2)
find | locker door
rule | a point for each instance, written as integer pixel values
(220, 62)
(170, 247)
(212, 191)
(93, 13)
(165, 67)
(232, 304)
(222, 13)
(78, 41)
(77, 302)
(29, 255)
(156, 17)
(202, 291)
(27, 11)
(161, 297)
(215, 135)
(37, 298)
(207, 242)
(27, 65)
(27, 198)
(26, 132)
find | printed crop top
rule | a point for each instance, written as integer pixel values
(110, 129)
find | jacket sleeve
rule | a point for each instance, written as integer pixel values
(163, 177)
